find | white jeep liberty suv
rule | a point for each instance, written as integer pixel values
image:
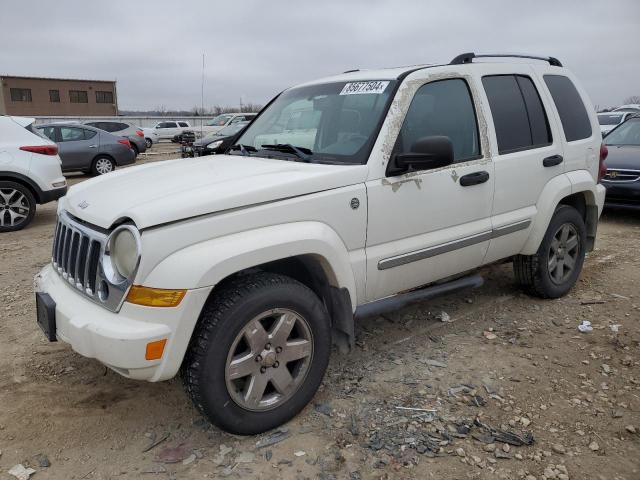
(239, 270)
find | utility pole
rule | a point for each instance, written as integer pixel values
(202, 97)
(240, 103)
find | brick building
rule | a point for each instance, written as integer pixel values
(34, 96)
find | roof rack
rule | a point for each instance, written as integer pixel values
(351, 71)
(468, 58)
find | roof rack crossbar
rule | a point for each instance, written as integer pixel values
(468, 58)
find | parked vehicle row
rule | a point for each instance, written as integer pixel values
(172, 129)
(87, 149)
(243, 276)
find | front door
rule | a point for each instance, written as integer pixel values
(427, 225)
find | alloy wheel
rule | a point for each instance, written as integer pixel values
(14, 207)
(269, 360)
(563, 253)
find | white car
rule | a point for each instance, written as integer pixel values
(218, 123)
(630, 107)
(610, 120)
(30, 172)
(241, 269)
(164, 130)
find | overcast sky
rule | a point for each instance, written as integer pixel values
(255, 48)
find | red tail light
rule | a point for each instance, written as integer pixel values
(140, 133)
(41, 149)
(602, 167)
(125, 141)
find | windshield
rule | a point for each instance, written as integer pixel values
(219, 121)
(626, 134)
(335, 122)
(609, 119)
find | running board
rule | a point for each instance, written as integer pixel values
(403, 299)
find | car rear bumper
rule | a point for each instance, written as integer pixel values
(119, 339)
(47, 196)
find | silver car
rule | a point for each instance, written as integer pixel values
(123, 129)
(88, 149)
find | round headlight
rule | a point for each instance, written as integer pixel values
(124, 252)
(215, 144)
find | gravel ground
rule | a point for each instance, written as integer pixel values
(506, 388)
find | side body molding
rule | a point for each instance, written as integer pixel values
(206, 263)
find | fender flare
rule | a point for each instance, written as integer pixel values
(207, 263)
(558, 188)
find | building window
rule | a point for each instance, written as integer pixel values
(20, 94)
(104, 97)
(54, 96)
(78, 96)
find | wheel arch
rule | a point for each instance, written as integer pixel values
(577, 191)
(310, 252)
(24, 181)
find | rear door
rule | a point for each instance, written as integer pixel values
(527, 151)
(579, 128)
(76, 151)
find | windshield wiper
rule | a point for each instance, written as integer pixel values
(244, 149)
(302, 153)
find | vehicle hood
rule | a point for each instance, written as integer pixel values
(626, 156)
(172, 190)
(206, 141)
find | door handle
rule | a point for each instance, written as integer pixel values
(93, 146)
(475, 178)
(552, 161)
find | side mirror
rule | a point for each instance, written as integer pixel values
(426, 153)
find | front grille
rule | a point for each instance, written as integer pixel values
(622, 175)
(76, 254)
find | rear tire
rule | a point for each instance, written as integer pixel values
(554, 269)
(148, 142)
(136, 152)
(17, 206)
(258, 353)
(102, 166)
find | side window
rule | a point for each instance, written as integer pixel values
(573, 114)
(518, 114)
(69, 134)
(183, 124)
(49, 132)
(89, 134)
(442, 107)
(170, 125)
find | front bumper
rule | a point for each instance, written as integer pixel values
(622, 194)
(119, 339)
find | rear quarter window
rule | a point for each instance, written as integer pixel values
(573, 114)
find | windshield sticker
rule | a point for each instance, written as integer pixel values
(358, 88)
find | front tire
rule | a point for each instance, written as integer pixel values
(554, 269)
(258, 354)
(17, 206)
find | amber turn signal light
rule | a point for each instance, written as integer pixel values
(155, 349)
(155, 297)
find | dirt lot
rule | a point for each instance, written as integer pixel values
(506, 370)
